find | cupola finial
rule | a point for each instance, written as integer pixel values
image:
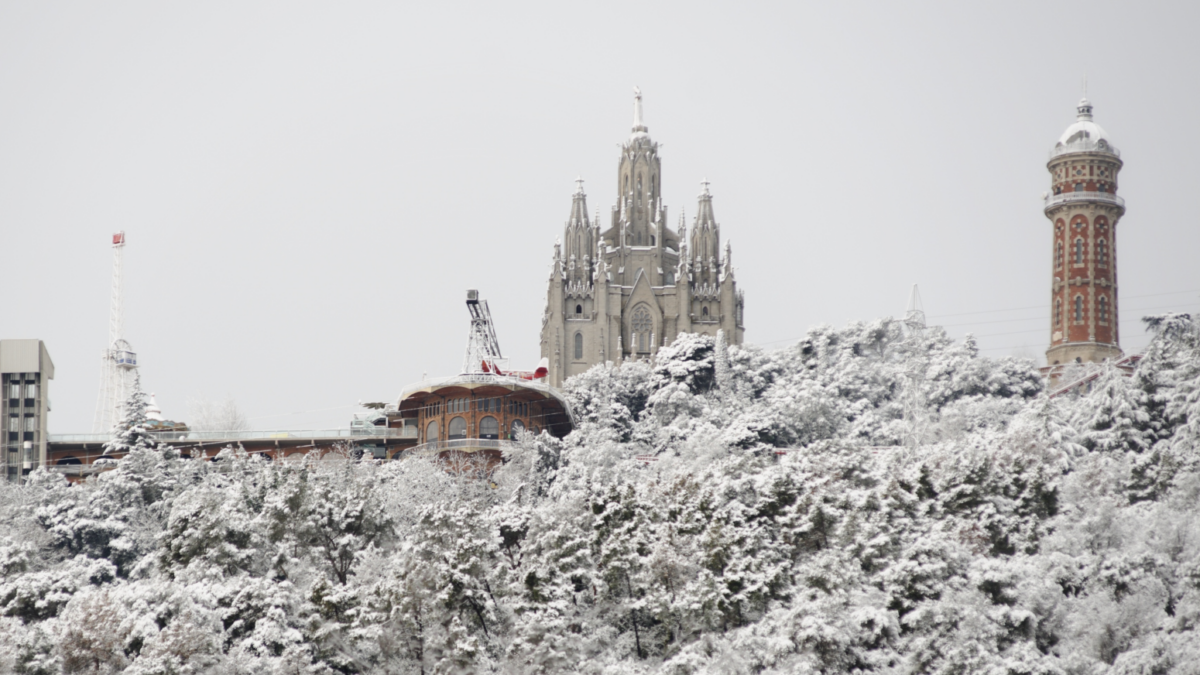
(1085, 106)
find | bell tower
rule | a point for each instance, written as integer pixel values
(1083, 209)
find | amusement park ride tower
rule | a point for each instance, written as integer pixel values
(1084, 209)
(119, 361)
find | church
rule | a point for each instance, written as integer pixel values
(623, 292)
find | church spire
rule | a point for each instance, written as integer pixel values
(579, 215)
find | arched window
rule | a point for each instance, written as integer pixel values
(669, 279)
(1102, 252)
(704, 312)
(489, 428)
(1058, 255)
(639, 191)
(1058, 312)
(579, 345)
(578, 310)
(431, 432)
(642, 325)
(517, 425)
(1102, 309)
(457, 429)
(653, 240)
(1079, 251)
(1078, 309)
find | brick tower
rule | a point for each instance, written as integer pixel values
(1084, 209)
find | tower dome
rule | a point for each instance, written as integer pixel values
(1084, 135)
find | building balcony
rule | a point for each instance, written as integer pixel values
(463, 445)
(1084, 146)
(1054, 201)
(356, 433)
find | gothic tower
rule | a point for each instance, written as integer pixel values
(1084, 209)
(624, 292)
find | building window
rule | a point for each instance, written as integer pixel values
(1103, 188)
(653, 240)
(578, 346)
(1079, 187)
(642, 326)
(1058, 255)
(489, 428)
(1057, 313)
(669, 279)
(14, 389)
(14, 422)
(1079, 251)
(457, 429)
(578, 310)
(1079, 309)
(431, 432)
(704, 312)
(1102, 309)
(1102, 252)
(30, 390)
(639, 194)
(30, 423)
(517, 425)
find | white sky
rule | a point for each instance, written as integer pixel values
(309, 188)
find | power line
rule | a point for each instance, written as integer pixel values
(1044, 305)
(1037, 318)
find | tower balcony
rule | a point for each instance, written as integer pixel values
(1054, 201)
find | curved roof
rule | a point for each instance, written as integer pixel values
(412, 395)
(1084, 134)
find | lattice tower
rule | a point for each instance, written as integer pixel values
(118, 362)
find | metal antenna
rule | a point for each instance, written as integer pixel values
(914, 316)
(119, 360)
(913, 397)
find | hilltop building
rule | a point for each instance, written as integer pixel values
(25, 374)
(1084, 209)
(624, 292)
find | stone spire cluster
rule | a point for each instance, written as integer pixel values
(623, 292)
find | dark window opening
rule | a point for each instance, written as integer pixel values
(457, 429)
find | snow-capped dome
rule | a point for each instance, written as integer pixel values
(153, 412)
(1084, 134)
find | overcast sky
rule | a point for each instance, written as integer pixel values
(308, 189)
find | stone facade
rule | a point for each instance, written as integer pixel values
(624, 292)
(1084, 209)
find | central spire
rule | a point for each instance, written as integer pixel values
(638, 125)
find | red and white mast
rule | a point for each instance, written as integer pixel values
(119, 360)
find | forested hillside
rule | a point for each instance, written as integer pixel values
(867, 500)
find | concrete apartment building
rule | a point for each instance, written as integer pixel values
(25, 374)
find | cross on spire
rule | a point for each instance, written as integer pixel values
(704, 185)
(579, 185)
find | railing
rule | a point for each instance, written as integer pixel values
(463, 444)
(1084, 146)
(1055, 200)
(232, 436)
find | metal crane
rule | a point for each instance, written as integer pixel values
(483, 349)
